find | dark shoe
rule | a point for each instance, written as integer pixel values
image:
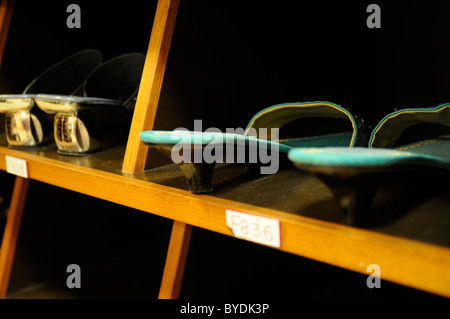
(84, 123)
(27, 125)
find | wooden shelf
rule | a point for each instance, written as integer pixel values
(412, 249)
(402, 260)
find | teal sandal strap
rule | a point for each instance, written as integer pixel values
(278, 115)
(391, 127)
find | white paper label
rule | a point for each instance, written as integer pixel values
(16, 166)
(254, 228)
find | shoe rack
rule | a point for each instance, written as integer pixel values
(118, 175)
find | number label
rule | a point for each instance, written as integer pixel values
(16, 166)
(254, 228)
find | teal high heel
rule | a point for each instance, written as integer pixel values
(259, 137)
(405, 140)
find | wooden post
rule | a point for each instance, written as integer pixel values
(143, 119)
(11, 232)
(151, 82)
(175, 261)
(6, 8)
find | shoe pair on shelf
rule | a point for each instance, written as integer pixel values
(327, 140)
(87, 98)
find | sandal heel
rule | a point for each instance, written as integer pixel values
(198, 175)
(353, 195)
(71, 135)
(24, 129)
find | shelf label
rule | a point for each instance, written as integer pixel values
(16, 166)
(254, 228)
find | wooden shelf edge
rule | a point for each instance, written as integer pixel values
(410, 263)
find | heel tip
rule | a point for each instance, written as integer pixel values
(200, 189)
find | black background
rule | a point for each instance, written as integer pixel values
(228, 60)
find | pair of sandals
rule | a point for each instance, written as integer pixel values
(327, 140)
(85, 96)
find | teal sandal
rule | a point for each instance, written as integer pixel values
(273, 130)
(408, 139)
